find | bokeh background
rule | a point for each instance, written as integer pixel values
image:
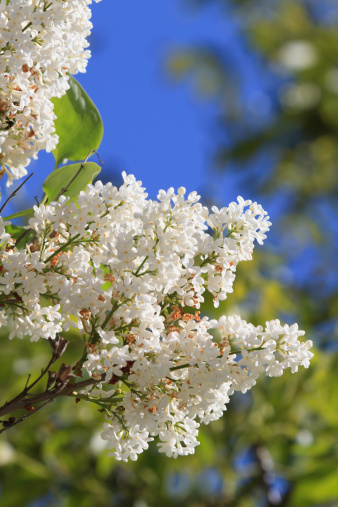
(225, 97)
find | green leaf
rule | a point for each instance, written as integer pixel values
(61, 177)
(20, 214)
(78, 124)
(16, 231)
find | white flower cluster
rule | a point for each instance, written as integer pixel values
(40, 41)
(130, 274)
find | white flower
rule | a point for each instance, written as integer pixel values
(41, 42)
(130, 274)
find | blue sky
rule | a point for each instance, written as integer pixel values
(154, 128)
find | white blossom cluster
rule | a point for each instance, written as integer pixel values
(40, 42)
(130, 274)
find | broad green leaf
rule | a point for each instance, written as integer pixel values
(78, 124)
(61, 177)
(16, 231)
(20, 214)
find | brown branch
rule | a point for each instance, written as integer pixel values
(59, 384)
(10, 424)
(60, 381)
(15, 192)
(42, 374)
(58, 347)
(42, 399)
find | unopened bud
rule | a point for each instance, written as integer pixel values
(9, 423)
(64, 373)
(58, 345)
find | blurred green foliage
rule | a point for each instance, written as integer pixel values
(288, 126)
(278, 445)
(291, 128)
(288, 428)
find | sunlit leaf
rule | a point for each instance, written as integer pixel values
(61, 177)
(20, 214)
(78, 124)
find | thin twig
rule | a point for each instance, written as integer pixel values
(98, 156)
(58, 347)
(27, 382)
(43, 373)
(66, 389)
(26, 389)
(15, 192)
(63, 386)
(23, 418)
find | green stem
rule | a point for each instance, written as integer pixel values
(63, 247)
(208, 259)
(249, 350)
(141, 266)
(44, 198)
(110, 314)
(27, 26)
(180, 367)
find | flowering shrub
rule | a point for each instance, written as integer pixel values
(129, 273)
